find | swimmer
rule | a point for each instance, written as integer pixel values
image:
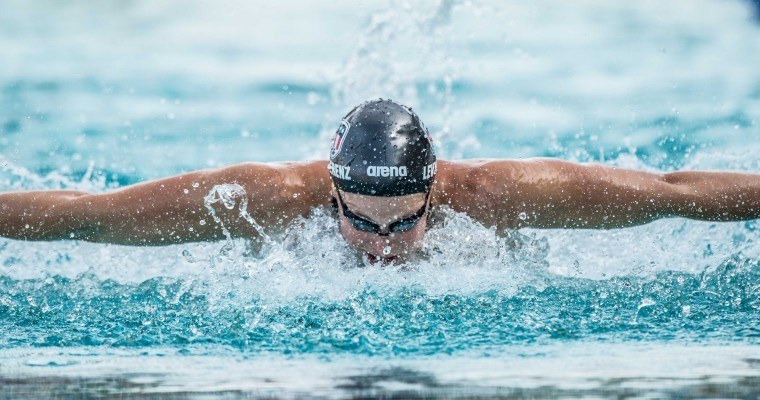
(384, 180)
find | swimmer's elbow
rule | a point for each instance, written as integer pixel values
(673, 191)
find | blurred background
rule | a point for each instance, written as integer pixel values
(129, 90)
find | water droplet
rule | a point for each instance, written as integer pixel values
(195, 184)
(185, 191)
(188, 256)
(202, 222)
(386, 250)
(523, 216)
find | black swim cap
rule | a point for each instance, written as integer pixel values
(381, 148)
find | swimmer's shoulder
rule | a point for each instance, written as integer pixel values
(478, 174)
(304, 182)
(490, 191)
(459, 180)
(290, 172)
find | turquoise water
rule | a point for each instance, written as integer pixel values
(93, 97)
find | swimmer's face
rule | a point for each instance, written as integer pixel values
(383, 211)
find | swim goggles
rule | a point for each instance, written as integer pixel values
(365, 225)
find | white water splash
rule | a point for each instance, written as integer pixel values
(229, 195)
(18, 177)
(400, 48)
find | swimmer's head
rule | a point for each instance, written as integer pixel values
(381, 148)
(383, 165)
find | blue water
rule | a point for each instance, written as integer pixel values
(717, 305)
(94, 97)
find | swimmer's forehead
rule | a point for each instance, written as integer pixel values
(411, 202)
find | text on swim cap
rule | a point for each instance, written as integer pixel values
(429, 171)
(386, 171)
(339, 171)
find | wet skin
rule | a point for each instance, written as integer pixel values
(504, 194)
(384, 211)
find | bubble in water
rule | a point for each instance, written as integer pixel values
(188, 256)
(523, 216)
(195, 184)
(387, 250)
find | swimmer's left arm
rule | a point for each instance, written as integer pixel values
(546, 193)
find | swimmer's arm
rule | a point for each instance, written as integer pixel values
(546, 193)
(166, 211)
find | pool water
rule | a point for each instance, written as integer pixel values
(98, 96)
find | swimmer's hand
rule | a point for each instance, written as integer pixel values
(169, 210)
(546, 193)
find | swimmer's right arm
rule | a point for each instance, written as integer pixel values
(169, 210)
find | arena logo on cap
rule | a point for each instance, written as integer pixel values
(386, 171)
(339, 138)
